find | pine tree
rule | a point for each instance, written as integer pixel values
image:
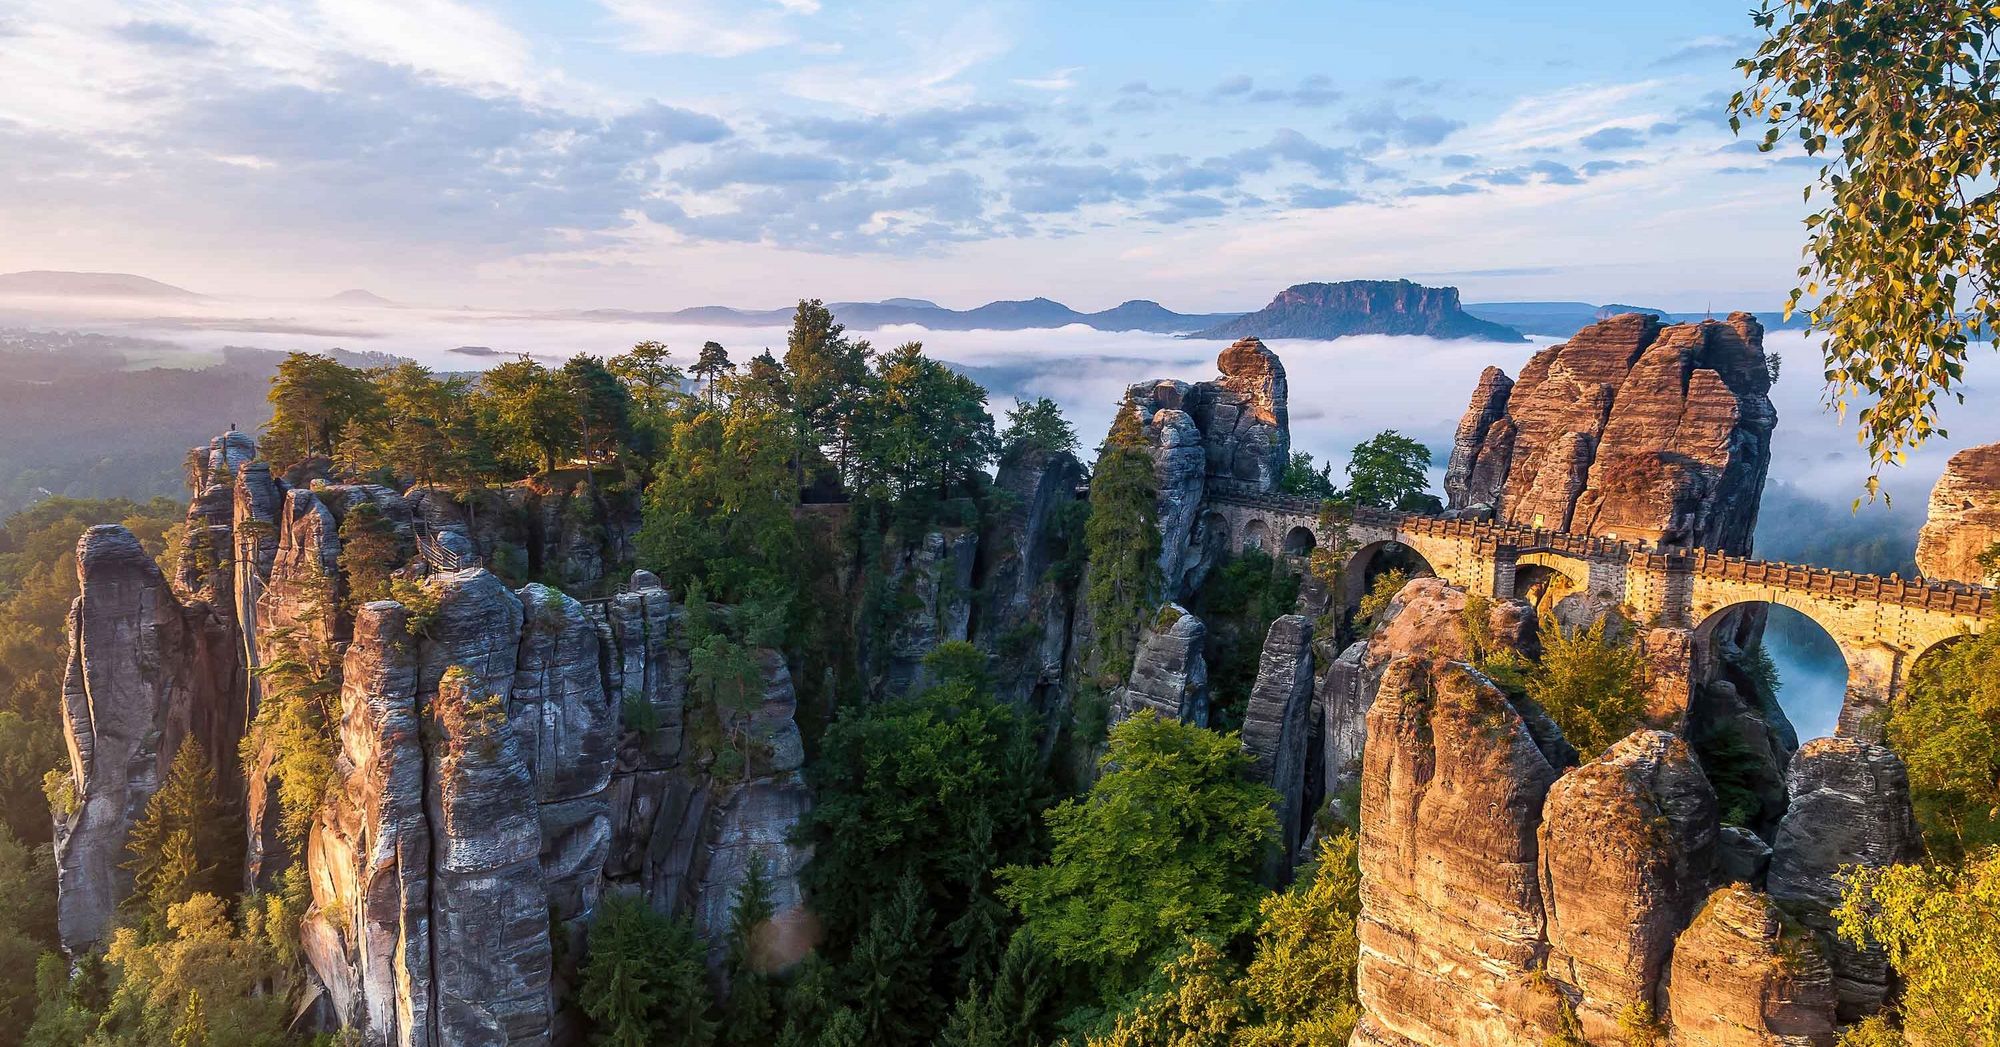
(889, 974)
(645, 982)
(185, 842)
(749, 1017)
(1123, 539)
(1015, 1010)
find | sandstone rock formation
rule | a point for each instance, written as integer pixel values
(1022, 615)
(1427, 617)
(1451, 924)
(1275, 725)
(145, 675)
(1651, 432)
(1627, 848)
(935, 578)
(1746, 975)
(1169, 672)
(1232, 430)
(1964, 518)
(1850, 805)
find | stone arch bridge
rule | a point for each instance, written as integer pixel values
(1882, 625)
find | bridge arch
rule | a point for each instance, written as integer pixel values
(1375, 559)
(1801, 642)
(1543, 578)
(1257, 535)
(1300, 541)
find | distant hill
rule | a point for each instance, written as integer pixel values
(1562, 319)
(357, 296)
(96, 285)
(1350, 307)
(1029, 314)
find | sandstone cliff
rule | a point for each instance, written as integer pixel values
(1630, 428)
(1964, 518)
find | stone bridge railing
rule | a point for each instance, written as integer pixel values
(1922, 594)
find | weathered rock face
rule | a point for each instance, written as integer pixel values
(368, 936)
(1630, 428)
(1022, 615)
(1332, 310)
(1850, 805)
(1232, 430)
(1275, 727)
(145, 675)
(1469, 486)
(1627, 850)
(1964, 518)
(936, 578)
(1745, 975)
(1169, 672)
(1244, 418)
(1426, 618)
(1451, 909)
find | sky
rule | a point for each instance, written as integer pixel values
(665, 153)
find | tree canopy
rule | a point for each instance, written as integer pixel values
(1901, 102)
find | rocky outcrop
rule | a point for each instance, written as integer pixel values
(1022, 614)
(1275, 727)
(145, 675)
(1451, 924)
(1849, 805)
(368, 936)
(1746, 975)
(1627, 847)
(1169, 671)
(935, 582)
(1964, 518)
(1630, 428)
(1427, 617)
(1471, 487)
(1348, 307)
(1233, 430)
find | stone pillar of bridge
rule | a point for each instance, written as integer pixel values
(1874, 676)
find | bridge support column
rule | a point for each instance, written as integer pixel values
(1874, 675)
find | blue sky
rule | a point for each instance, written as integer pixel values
(660, 153)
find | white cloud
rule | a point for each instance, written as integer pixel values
(697, 27)
(1054, 80)
(929, 75)
(451, 41)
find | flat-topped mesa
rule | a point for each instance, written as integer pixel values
(1631, 428)
(1964, 519)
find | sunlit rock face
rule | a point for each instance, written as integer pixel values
(1964, 520)
(1631, 428)
(1747, 975)
(1850, 806)
(1233, 430)
(146, 675)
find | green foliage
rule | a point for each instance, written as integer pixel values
(530, 413)
(710, 366)
(313, 400)
(1592, 682)
(645, 981)
(1874, 1031)
(1381, 592)
(1641, 1027)
(369, 553)
(1168, 845)
(1947, 729)
(1016, 1009)
(749, 1013)
(1734, 769)
(1298, 989)
(934, 790)
(722, 513)
(1902, 104)
(1238, 601)
(888, 980)
(1301, 479)
(829, 382)
(27, 929)
(421, 427)
(184, 844)
(1940, 927)
(1388, 471)
(1037, 425)
(1123, 540)
(292, 736)
(922, 436)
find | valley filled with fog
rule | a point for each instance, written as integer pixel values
(1342, 392)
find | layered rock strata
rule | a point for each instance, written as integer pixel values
(1276, 728)
(1169, 672)
(1747, 975)
(1631, 428)
(1964, 521)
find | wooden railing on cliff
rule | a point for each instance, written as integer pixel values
(1951, 597)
